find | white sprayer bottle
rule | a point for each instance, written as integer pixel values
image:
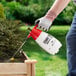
(49, 43)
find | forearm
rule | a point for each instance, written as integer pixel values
(56, 9)
(59, 5)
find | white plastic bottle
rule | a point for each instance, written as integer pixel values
(49, 43)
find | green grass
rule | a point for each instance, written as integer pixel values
(49, 65)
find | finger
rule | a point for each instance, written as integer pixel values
(40, 26)
(46, 29)
(49, 27)
(43, 28)
(37, 21)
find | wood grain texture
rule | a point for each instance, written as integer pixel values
(13, 75)
(28, 62)
(33, 69)
(18, 69)
(13, 68)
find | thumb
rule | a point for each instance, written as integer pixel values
(37, 21)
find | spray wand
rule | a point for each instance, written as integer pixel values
(19, 49)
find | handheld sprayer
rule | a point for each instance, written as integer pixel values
(49, 43)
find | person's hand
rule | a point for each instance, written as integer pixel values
(44, 23)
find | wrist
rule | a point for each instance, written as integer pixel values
(50, 15)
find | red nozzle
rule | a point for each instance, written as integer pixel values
(35, 26)
(29, 36)
(34, 33)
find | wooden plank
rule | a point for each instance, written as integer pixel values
(30, 67)
(18, 69)
(13, 75)
(33, 69)
(33, 66)
(13, 68)
(28, 62)
(25, 55)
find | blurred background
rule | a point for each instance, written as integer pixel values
(16, 16)
(29, 10)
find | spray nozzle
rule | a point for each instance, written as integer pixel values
(29, 29)
(34, 32)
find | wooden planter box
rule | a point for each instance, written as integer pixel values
(18, 69)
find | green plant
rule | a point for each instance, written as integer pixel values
(30, 10)
(2, 15)
(10, 38)
(24, 2)
(68, 13)
(10, 9)
(26, 13)
(3, 2)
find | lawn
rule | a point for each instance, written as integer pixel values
(49, 65)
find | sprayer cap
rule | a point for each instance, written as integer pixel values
(34, 33)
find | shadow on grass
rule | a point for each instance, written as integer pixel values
(61, 36)
(33, 49)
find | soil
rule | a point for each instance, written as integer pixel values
(20, 58)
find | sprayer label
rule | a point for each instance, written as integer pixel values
(47, 39)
